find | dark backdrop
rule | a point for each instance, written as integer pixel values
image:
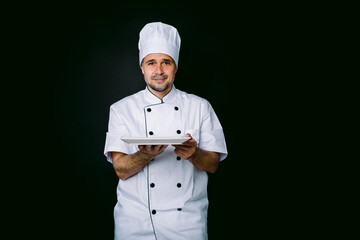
(84, 57)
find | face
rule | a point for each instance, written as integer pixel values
(159, 72)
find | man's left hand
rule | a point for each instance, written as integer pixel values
(187, 149)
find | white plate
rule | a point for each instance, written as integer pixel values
(155, 140)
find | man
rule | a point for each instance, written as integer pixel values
(162, 190)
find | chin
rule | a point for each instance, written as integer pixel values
(159, 88)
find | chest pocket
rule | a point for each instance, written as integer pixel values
(163, 120)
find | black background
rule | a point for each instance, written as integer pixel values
(80, 58)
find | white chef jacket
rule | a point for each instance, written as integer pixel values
(168, 198)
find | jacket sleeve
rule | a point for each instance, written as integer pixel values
(211, 135)
(116, 130)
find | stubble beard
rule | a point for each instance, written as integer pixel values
(159, 89)
(155, 87)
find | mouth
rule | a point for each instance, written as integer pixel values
(159, 78)
(159, 81)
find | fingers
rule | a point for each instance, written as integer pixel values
(184, 153)
(189, 143)
(159, 148)
(181, 153)
(183, 146)
(163, 147)
(186, 149)
(152, 149)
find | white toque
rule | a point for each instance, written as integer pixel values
(159, 37)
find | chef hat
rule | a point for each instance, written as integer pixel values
(159, 37)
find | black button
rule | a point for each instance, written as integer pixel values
(178, 132)
(179, 209)
(176, 108)
(152, 185)
(178, 185)
(149, 109)
(178, 158)
(153, 212)
(151, 133)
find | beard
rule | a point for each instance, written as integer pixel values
(159, 89)
(156, 88)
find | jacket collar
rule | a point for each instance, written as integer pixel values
(150, 97)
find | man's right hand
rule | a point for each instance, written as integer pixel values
(127, 165)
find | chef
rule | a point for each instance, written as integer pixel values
(162, 189)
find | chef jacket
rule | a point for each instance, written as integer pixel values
(168, 198)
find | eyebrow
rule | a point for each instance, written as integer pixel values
(150, 60)
(164, 59)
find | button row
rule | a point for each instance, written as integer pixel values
(154, 211)
(176, 109)
(177, 131)
(152, 185)
(177, 158)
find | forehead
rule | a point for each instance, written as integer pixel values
(157, 57)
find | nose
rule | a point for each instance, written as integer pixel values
(159, 69)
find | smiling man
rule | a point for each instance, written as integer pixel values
(162, 190)
(159, 73)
